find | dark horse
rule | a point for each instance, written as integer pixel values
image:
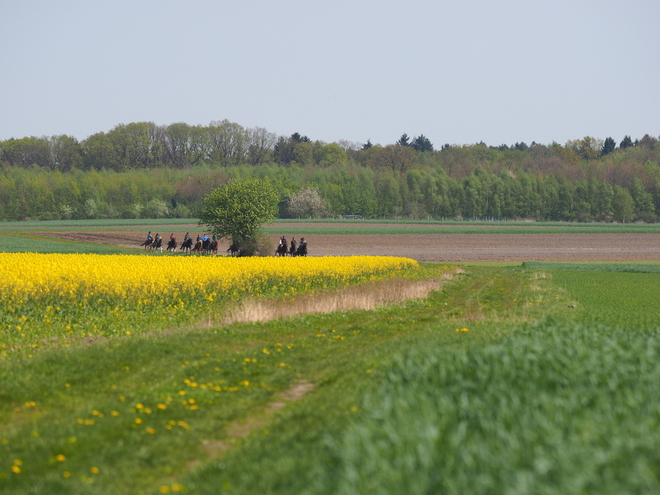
(281, 250)
(157, 244)
(187, 245)
(171, 245)
(234, 250)
(147, 243)
(302, 249)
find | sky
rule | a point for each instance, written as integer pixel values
(463, 72)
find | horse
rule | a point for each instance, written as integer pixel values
(302, 249)
(198, 247)
(187, 245)
(147, 243)
(157, 244)
(234, 250)
(171, 245)
(292, 249)
(281, 250)
(213, 247)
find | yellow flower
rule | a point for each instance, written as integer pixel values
(60, 457)
(94, 470)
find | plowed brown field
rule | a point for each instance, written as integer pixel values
(454, 248)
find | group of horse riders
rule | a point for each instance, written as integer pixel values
(203, 243)
(209, 245)
(293, 249)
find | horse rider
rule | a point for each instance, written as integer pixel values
(149, 236)
(302, 247)
(186, 237)
(292, 249)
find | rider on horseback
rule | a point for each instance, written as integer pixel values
(302, 247)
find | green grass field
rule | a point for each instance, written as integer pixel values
(334, 226)
(539, 378)
(20, 242)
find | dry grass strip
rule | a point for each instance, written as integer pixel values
(363, 297)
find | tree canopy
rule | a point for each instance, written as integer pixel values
(238, 208)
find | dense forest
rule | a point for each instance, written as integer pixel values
(143, 170)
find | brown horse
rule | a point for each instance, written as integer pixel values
(198, 247)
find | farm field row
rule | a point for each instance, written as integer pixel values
(448, 242)
(452, 248)
(543, 375)
(334, 226)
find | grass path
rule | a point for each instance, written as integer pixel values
(313, 404)
(137, 413)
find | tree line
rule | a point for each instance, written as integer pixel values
(143, 170)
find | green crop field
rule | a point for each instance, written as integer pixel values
(20, 242)
(540, 378)
(336, 226)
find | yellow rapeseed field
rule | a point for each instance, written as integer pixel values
(43, 295)
(70, 276)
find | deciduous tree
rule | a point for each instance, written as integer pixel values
(238, 208)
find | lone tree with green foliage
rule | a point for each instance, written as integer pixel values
(237, 209)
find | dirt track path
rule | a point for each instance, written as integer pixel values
(453, 248)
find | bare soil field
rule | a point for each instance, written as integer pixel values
(451, 248)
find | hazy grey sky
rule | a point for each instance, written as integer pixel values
(457, 72)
